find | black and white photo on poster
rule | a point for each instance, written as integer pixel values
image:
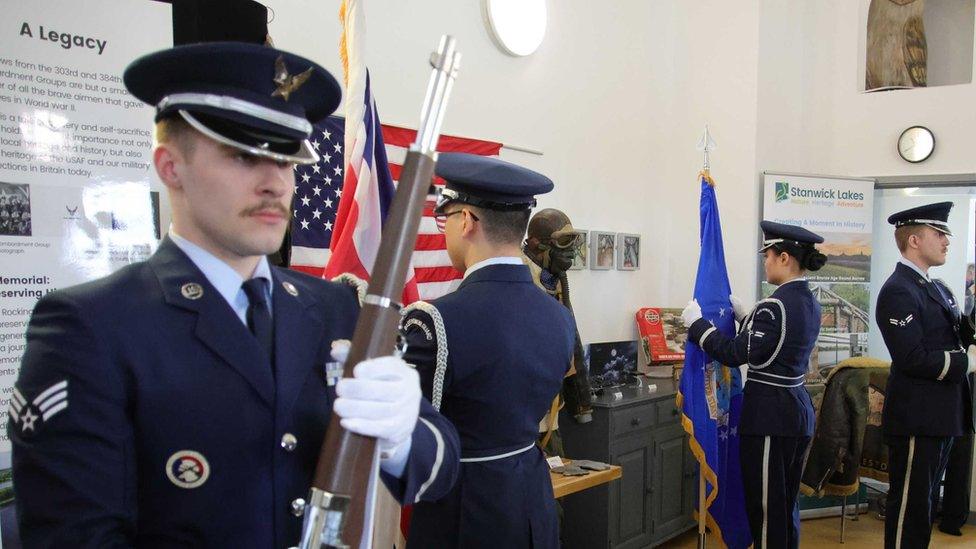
(15, 209)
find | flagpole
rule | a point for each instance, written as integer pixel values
(701, 512)
(705, 144)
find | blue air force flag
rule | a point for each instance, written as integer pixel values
(710, 393)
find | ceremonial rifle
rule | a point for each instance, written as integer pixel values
(335, 514)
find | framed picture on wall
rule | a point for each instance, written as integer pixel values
(628, 252)
(579, 252)
(602, 245)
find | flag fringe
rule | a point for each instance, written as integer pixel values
(343, 49)
(704, 174)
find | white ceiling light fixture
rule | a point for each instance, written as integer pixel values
(517, 26)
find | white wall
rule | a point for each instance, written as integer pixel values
(949, 37)
(618, 95)
(812, 118)
(616, 98)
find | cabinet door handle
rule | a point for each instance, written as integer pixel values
(635, 421)
(650, 490)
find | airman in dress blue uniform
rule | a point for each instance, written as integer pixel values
(928, 399)
(182, 401)
(775, 340)
(491, 356)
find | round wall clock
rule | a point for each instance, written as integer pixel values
(916, 144)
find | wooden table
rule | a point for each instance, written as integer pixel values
(563, 485)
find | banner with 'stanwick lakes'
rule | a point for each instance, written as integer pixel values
(841, 210)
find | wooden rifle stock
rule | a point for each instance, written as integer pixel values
(336, 511)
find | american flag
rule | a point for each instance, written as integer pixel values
(318, 189)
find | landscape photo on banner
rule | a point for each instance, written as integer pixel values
(318, 188)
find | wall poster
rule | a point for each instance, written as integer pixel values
(78, 194)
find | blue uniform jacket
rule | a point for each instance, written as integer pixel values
(928, 392)
(173, 429)
(775, 340)
(508, 346)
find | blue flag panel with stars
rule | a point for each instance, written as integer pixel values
(318, 187)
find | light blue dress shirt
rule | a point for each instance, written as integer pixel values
(223, 277)
(914, 267)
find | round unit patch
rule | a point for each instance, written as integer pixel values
(192, 290)
(187, 469)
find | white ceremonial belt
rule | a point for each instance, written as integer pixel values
(760, 373)
(498, 456)
(754, 380)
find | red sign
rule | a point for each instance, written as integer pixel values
(662, 335)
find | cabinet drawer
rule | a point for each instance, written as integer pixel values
(633, 419)
(667, 412)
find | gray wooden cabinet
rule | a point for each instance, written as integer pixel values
(654, 499)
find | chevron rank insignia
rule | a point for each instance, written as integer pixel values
(30, 416)
(901, 323)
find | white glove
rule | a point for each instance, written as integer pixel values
(971, 354)
(381, 400)
(691, 313)
(738, 307)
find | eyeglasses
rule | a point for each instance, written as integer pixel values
(441, 218)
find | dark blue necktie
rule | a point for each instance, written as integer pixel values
(259, 315)
(945, 298)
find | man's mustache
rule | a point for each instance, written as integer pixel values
(264, 206)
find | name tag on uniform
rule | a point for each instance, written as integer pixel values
(333, 373)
